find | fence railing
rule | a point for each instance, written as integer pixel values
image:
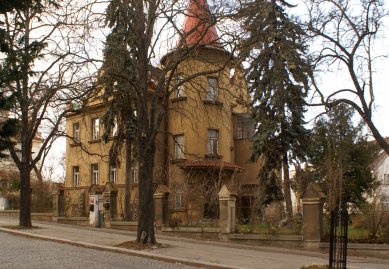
(338, 240)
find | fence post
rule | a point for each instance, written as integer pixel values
(58, 202)
(161, 206)
(227, 202)
(313, 200)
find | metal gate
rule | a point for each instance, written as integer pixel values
(338, 240)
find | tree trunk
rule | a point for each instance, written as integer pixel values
(128, 177)
(145, 232)
(38, 173)
(25, 197)
(286, 186)
(377, 135)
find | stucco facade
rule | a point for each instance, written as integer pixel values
(203, 143)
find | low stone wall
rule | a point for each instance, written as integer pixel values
(34, 216)
(10, 213)
(124, 225)
(42, 216)
(286, 241)
(192, 232)
(80, 221)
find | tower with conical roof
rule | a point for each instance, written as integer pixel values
(198, 26)
(207, 91)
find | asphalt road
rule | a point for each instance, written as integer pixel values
(18, 252)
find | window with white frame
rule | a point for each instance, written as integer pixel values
(213, 141)
(213, 89)
(114, 128)
(386, 179)
(95, 173)
(134, 172)
(95, 128)
(113, 172)
(76, 176)
(179, 87)
(179, 146)
(76, 132)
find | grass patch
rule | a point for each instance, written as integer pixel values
(357, 233)
(139, 246)
(263, 228)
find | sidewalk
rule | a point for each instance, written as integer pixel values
(208, 254)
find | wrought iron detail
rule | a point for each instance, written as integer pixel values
(338, 240)
(134, 210)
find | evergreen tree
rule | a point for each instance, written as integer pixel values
(9, 5)
(340, 158)
(8, 127)
(278, 82)
(117, 78)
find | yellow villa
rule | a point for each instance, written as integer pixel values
(203, 144)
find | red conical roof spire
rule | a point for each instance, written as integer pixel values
(198, 28)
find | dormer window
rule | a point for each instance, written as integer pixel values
(213, 89)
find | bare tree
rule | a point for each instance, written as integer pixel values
(48, 67)
(150, 30)
(345, 32)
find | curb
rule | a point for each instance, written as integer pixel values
(137, 253)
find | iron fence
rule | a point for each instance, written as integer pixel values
(338, 240)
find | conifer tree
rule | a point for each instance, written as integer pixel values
(8, 127)
(117, 77)
(340, 158)
(278, 83)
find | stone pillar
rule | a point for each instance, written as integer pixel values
(313, 200)
(161, 209)
(227, 202)
(107, 208)
(109, 203)
(58, 204)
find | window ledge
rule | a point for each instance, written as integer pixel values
(114, 137)
(179, 99)
(177, 160)
(213, 102)
(75, 143)
(94, 141)
(213, 156)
